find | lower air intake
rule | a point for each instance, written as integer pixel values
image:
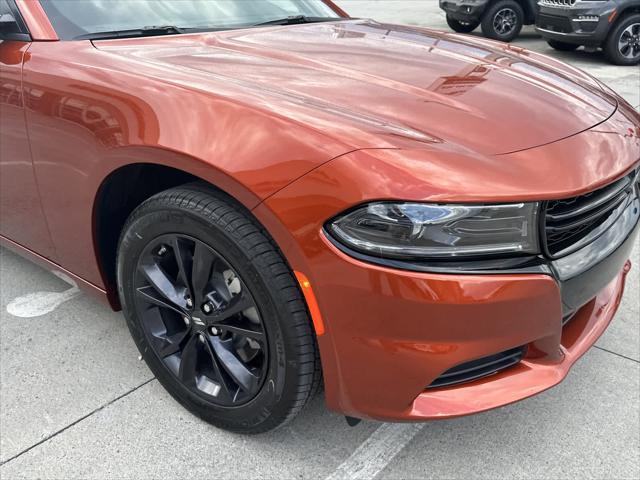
(482, 367)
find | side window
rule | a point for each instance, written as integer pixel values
(11, 25)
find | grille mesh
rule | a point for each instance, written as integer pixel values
(555, 23)
(557, 3)
(572, 223)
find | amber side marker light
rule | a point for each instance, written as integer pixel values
(613, 15)
(312, 303)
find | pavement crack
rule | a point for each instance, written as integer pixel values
(75, 422)
(617, 354)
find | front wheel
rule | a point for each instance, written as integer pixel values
(215, 311)
(461, 27)
(622, 46)
(562, 46)
(503, 20)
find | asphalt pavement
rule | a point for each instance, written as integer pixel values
(75, 401)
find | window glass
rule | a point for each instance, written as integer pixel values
(72, 18)
(10, 28)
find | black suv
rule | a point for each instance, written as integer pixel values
(613, 25)
(500, 19)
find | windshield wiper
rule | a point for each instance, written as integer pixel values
(135, 32)
(297, 19)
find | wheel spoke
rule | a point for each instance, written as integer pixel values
(217, 368)
(233, 365)
(242, 327)
(184, 260)
(189, 361)
(150, 295)
(219, 295)
(171, 345)
(201, 273)
(163, 284)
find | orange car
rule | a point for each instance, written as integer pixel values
(275, 193)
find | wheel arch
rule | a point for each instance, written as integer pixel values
(530, 10)
(528, 7)
(136, 175)
(628, 9)
(632, 8)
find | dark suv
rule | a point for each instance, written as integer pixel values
(613, 25)
(500, 19)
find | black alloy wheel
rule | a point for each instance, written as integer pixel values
(201, 320)
(503, 20)
(216, 311)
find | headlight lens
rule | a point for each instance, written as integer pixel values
(422, 231)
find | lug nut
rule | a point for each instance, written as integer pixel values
(189, 302)
(214, 331)
(206, 308)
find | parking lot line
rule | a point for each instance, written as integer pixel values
(377, 451)
(75, 422)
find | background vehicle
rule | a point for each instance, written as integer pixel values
(500, 19)
(613, 25)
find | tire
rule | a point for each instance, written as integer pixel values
(248, 382)
(627, 27)
(503, 20)
(562, 46)
(461, 27)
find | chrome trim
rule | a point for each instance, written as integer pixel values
(553, 31)
(626, 226)
(557, 3)
(565, 4)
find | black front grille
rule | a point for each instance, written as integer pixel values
(571, 223)
(554, 23)
(482, 367)
(557, 3)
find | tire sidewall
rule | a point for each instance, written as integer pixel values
(279, 383)
(459, 27)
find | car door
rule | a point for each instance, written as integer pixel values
(21, 216)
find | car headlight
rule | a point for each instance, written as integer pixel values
(422, 231)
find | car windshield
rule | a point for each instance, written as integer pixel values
(81, 18)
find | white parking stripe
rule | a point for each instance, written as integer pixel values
(375, 453)
(40, 303)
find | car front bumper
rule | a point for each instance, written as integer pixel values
(399, 331)
(534, 374)
(391, 332)
(582, 24)
(463, 10)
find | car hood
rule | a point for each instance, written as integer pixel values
(380, 86)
